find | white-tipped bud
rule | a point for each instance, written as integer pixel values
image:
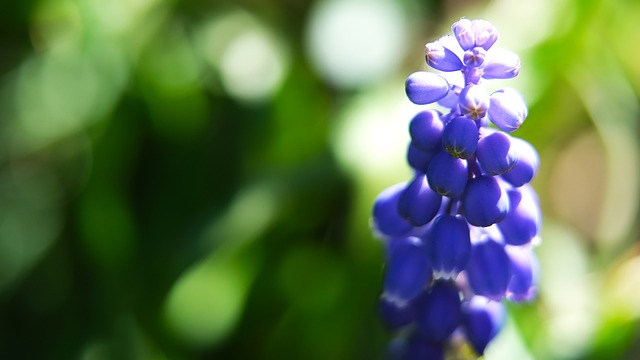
(501, 64)
(507, 109)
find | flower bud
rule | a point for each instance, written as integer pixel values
(482, 320)
(489, 269)
(407, 271)
(418, 204)
(438, 311)
(485, 33)
(495, 154)
(474, 102)
(425, 88)
(418, 159)
(450, 100)
(502, 64)
(507, 109)
(474, 57)
(527, 165)
(524, 268)
(426, 130)
(447, 175)
(395, 315)
(419, 348)
(464, 33)
(386, 219)
(460, 137)
(522, 223)
(441, 58)
(448, 245)
(484, 202)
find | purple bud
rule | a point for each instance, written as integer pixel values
(502, 64)
(438, 311)
(527, 165)
(418, 204)
(418, 159)
(485, 34)
(441, 58)
(450, 100)
(447, 175)
(482, 320)
(474, 57)
(489, 269)
(507, 109)
(522, 223)
(495, 154)
(448, 245)
(395, 315)
(386, 219)
(474, 102)
(418, 348)
(484, 202)
(407, 271)
(524, 268)
(463, 32)
(426, 130)
(425, 88)
(460, 137)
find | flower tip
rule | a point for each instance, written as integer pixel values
(464, 33)
(485, 33)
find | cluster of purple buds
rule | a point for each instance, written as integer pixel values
(459, 235)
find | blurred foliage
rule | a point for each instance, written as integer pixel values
(193, 179)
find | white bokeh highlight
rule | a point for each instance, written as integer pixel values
(355, 42)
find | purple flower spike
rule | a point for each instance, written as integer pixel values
(460, 137)
(425, 88)
(485, 33)
(524, 266)
(489, 269)
(502, 64)
(447, 175)
(426, 130)
(522, 223)
(448, 245)
(441, 58)
(407, 272)
(476, 241)
(464, 33)
(418, 204)
(495, 154)
(474, 102)
(386, 219)
(438, 311)
(484, 202)
(482, 319)
(527, 165)
(507, 109)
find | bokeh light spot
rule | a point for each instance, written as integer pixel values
(206, 302)
(354, 42)
(251, 59)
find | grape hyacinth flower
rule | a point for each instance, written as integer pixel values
(460, 234)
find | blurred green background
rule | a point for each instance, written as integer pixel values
(193, 179)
